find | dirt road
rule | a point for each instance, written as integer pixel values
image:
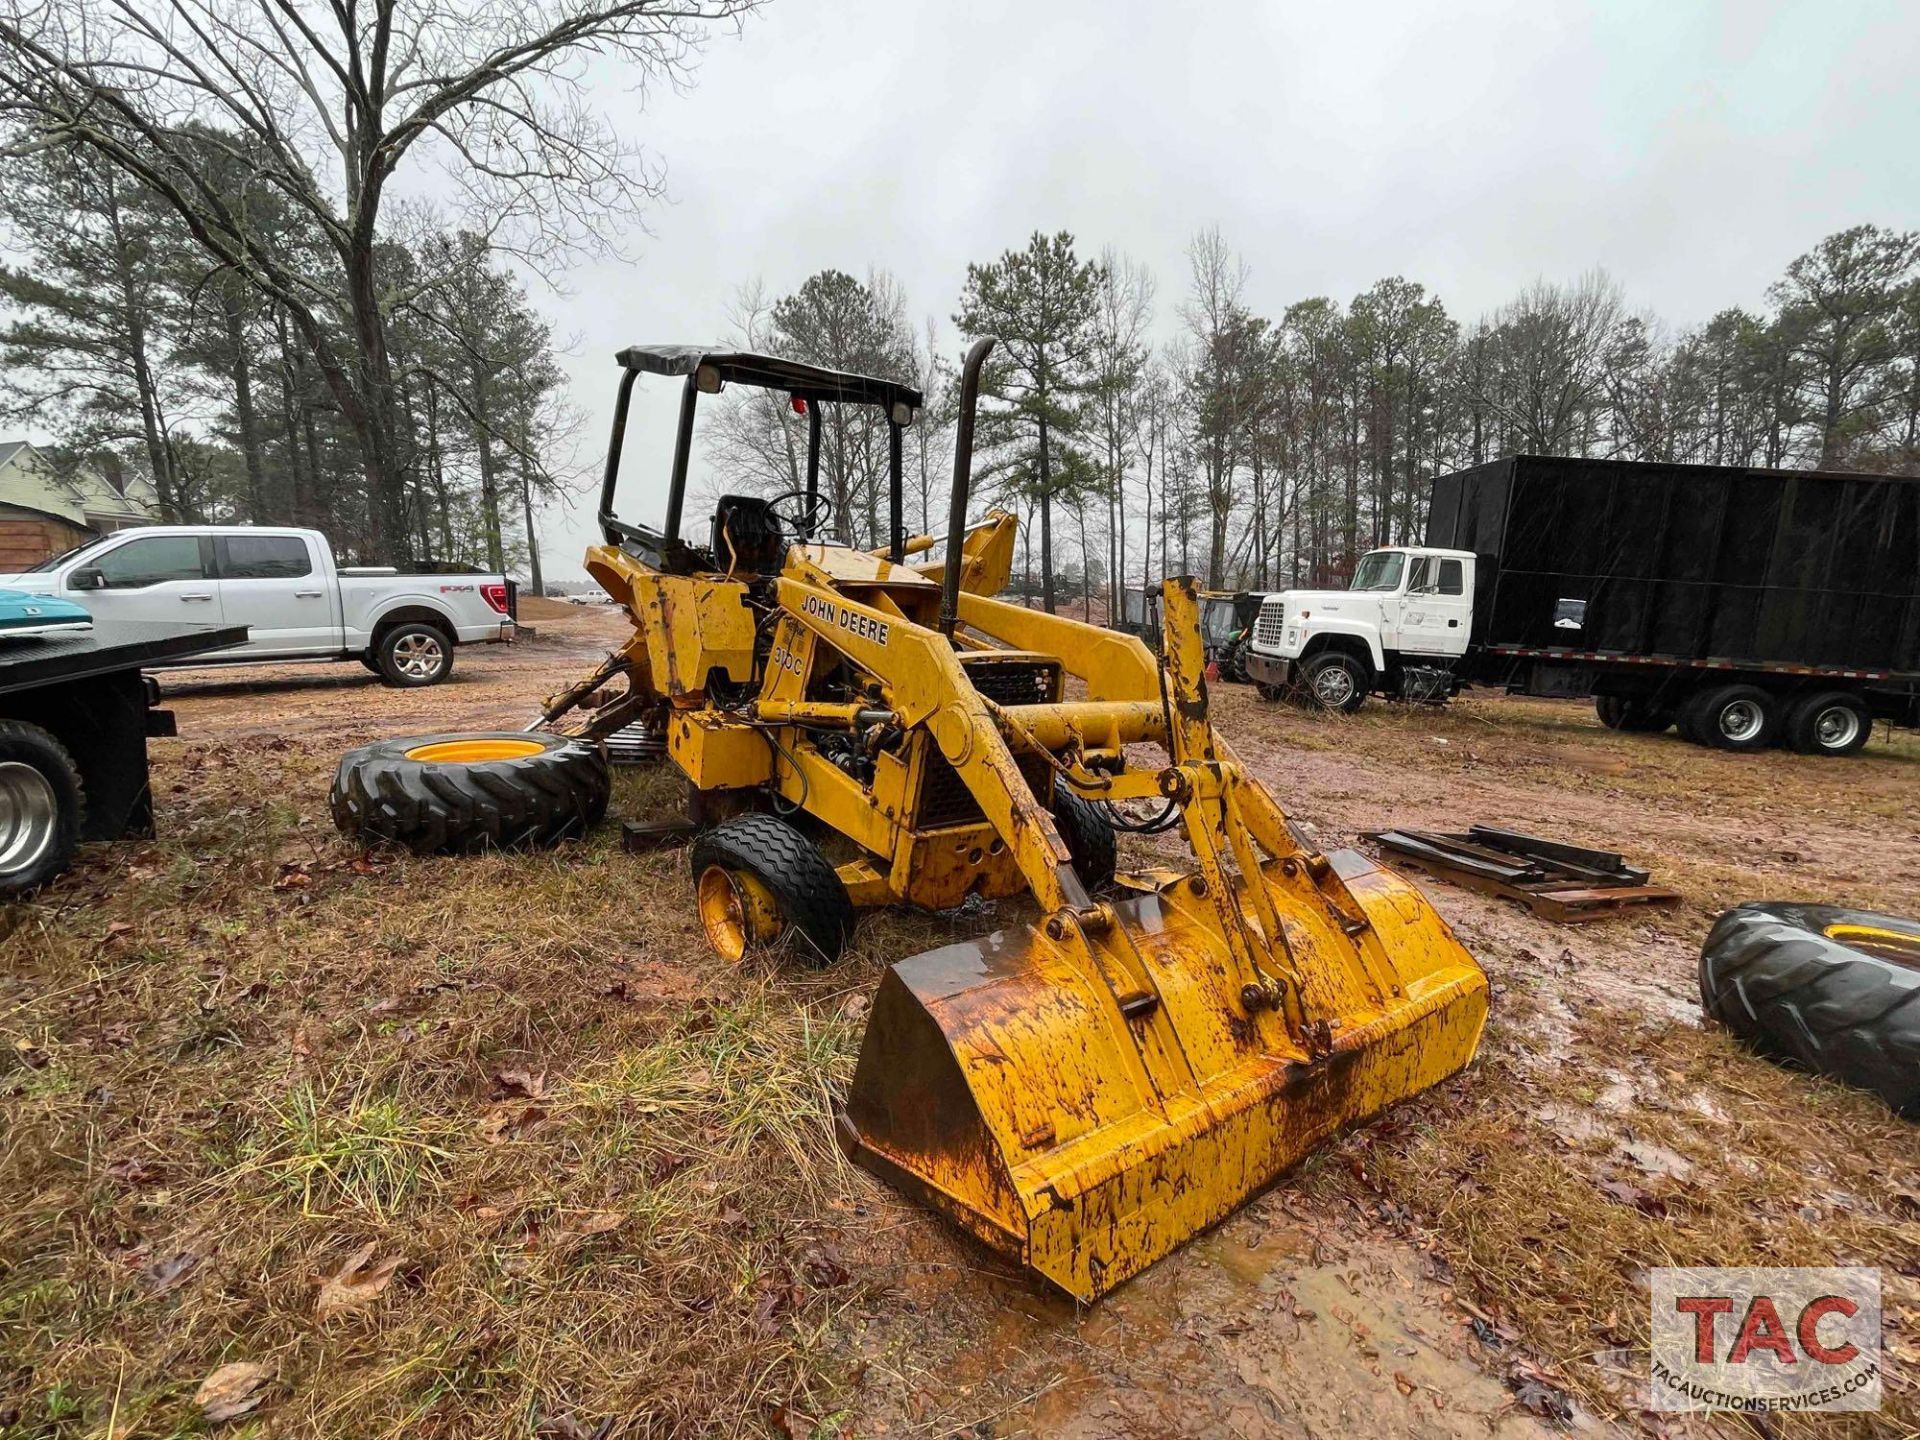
(603, 1156)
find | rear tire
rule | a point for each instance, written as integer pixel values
(1631, 714)
(1836, 991)
(516, 791)
(1832, 723)
(414, 654)
(1335, 680)
(42, 808)
(758, 881)
(1089, 835)
(1733, 717)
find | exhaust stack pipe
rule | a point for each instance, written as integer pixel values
(962, 480)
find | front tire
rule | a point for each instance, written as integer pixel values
(1335, 680)
(1085, 828)
(757, 881)
(42, 808)
(1833, 723)
(414, 654)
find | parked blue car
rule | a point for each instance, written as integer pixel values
(29, 617)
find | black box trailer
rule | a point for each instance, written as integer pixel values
(1746, 605)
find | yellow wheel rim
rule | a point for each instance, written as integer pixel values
(736, 911)
(474, 752)
(1899, 946)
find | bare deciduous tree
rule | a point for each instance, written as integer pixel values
(325, 106)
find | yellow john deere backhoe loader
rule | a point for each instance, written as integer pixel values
(1086, 1091)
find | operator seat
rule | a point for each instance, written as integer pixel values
(747, 536)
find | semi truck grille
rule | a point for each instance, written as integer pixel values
(945, 799)
(1272, 620)
(1013, 679)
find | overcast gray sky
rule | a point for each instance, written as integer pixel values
(1690, 149)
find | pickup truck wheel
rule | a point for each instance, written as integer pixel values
(1837, 991)
(1833, 723)
(462, 793)
(414, 654)
(1733, 717)
(42, 806)
(1334, 680)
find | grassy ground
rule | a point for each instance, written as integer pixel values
(495, 1147)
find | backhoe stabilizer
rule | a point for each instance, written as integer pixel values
(1085, 1132)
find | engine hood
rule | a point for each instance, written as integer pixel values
(1330, 602)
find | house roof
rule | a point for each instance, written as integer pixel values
(84, 498)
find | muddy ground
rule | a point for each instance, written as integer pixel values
(599, 1161)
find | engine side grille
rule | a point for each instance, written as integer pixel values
(1013, 679)
(945, 799)
(1273, 619)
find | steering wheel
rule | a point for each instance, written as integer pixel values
(807, 515)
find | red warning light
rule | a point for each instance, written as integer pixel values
(799, 403)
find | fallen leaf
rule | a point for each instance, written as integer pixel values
(163, 1275)
(822, 1268)
(118, 928)
(523, 1083)
(233, 1390)
(566, 1427)
(1402, 1383)
(504, 1122)
(1544, 1399)
(31, 1055)
(132, 1170)
(356, 1283)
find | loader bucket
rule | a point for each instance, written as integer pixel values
(1086, 1098)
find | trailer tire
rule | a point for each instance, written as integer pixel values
(42, 808)
(1834, 722)
(413, 654)
(1335, 680)
(1631, 715)
(1732, 717)
(462, 793)
(1834, 990)
(1089, 835)
(758, 881)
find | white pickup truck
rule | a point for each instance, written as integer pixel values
(283, 585)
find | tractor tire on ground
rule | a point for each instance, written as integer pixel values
(1732, 717)
(1832, 723)
(1089, 835)
(42, 807)
(463, 793)
(413, 655)
(758, 881)
(1631, 715)
(1334, 680)
(1834, 990)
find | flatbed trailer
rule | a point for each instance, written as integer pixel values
(75, 717)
